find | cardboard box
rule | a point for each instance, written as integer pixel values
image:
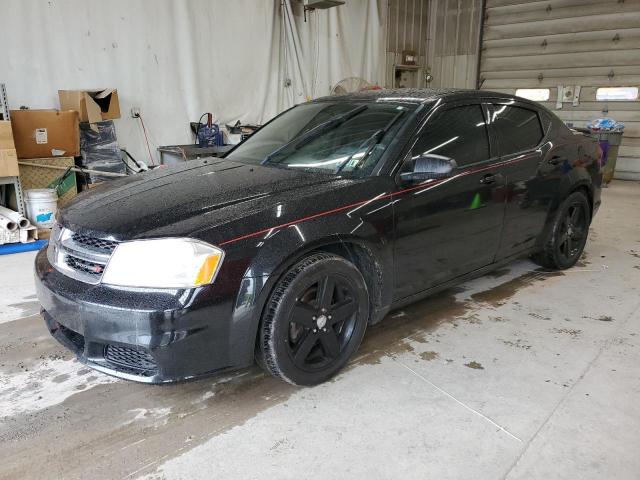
(6, 135)
(45, 133)
(92, 105)
(8, 163)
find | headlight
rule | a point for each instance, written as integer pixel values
(163, 263)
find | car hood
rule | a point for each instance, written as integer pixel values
(172, 201)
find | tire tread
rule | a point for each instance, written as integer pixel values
(266, 356)
(546, 256)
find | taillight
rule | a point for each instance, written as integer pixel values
(600, 156)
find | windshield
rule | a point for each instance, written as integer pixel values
(330, 137)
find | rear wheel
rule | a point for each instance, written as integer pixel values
(568, 235)
(314, 321)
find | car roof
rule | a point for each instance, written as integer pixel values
(419, 95)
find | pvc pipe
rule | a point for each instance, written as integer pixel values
(14, 216)
(22, 247)
(8, 224)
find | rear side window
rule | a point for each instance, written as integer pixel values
(459, 133)
(518, 129)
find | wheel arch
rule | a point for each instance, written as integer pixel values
(587, 189)
(581, 185)
(371, 262)
(370, 255)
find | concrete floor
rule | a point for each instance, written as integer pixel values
(518, 375)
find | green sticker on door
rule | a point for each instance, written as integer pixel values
(476, 202)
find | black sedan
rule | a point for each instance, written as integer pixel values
(334, 213)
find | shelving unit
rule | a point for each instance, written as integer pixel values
(9, 181)
(17, 188)
(4, 104)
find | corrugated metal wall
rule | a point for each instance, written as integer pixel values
(452, 43)
(406, 30)
(586, 43)
(443, 33)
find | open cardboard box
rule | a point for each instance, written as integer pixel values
(92, 105)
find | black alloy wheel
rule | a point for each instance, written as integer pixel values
(572, 233)
(321, 322)
(568, 235)
(314, 321)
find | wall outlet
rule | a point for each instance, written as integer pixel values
(135, 112)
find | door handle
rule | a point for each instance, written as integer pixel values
(557, 160)
(489, 178)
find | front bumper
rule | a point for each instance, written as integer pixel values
(147, 335)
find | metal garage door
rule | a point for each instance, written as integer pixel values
(571, 47)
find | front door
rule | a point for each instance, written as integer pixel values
(454, 226)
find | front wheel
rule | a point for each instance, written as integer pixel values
(568, 235)
(314, 321)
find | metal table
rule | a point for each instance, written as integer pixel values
(183, 153)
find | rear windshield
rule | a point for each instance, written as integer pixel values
(328, 137)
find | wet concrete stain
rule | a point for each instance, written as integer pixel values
(567, 331)
(26, 308)
(475, 365)
(196, 410)
(188, 414)
(391, 337)
(61, 378)
(498, 296)
(583, 261)
(519, 343)
(428, 356)
(500, 272)
(25, 343)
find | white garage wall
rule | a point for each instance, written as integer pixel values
(176, 59)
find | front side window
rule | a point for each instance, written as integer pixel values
(328, 137)
(518, 128)
(459, 133)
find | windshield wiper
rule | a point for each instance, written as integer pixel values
(372, 141)
(315, 132)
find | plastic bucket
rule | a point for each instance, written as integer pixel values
(42, 204)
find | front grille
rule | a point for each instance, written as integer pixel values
(79, 256)
(79, 265)
(101, 244)
(133, 360)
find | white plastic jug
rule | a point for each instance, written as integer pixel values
(42, 204)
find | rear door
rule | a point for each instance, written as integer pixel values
(453, 227)
(518, 130)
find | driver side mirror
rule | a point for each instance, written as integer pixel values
(429, 166)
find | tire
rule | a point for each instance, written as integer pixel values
(568, 236)
(306, 335)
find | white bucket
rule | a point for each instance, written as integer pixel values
(42, 204)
